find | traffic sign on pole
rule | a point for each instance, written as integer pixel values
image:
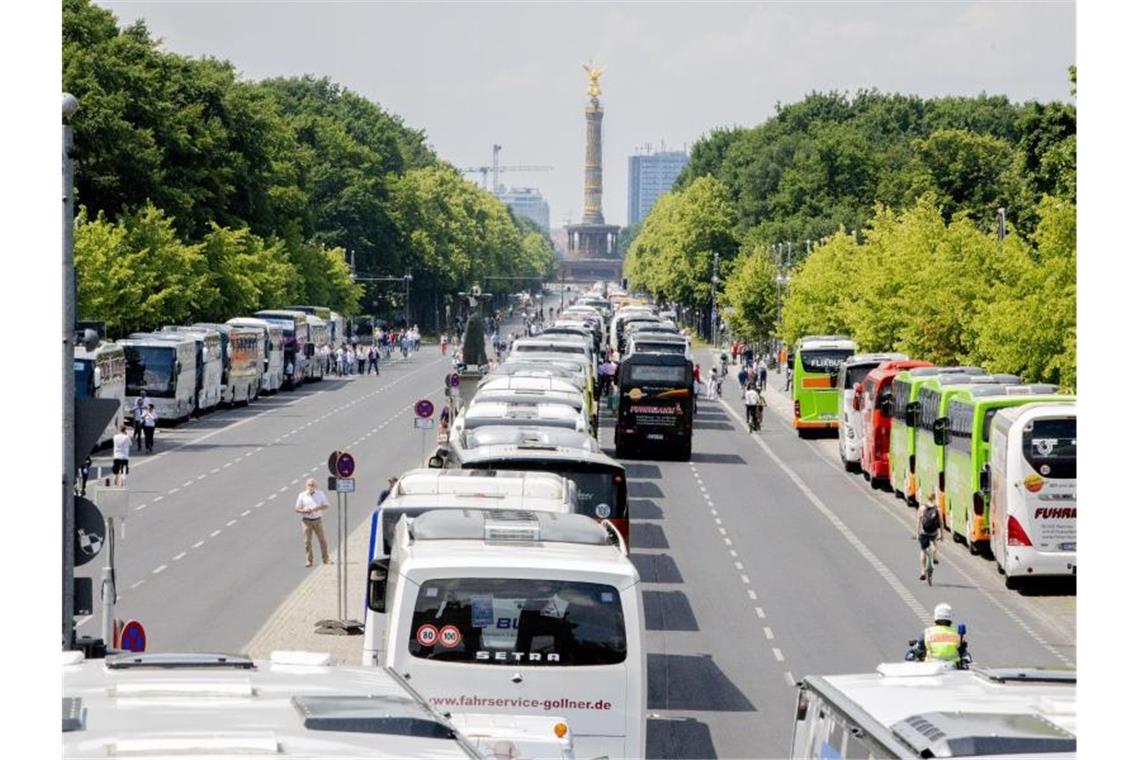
(90, 531)
(345, 465)
(133, 637)
(332, 462)
(424, 408)
(453, 380)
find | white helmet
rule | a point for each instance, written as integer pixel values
(943, 612)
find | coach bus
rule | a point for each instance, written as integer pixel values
(815, 397)
(272, 351)
(102, 373)
(850, 384)
(655, 405)
(165, 371)
(294, 335)
(207, 363)
(903, 410)
(574, 455)
(967, 424)
(1033, 490)
(874, 402)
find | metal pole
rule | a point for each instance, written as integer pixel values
(70, 104)
(107, 594)
(339, 556)
(407, 301)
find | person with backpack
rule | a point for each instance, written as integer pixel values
(928, 531)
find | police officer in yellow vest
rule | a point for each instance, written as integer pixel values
(941, 640)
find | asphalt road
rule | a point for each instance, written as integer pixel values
(761, 560)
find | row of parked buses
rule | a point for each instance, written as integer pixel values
(998, 457)
(499, 577)
(191, 369)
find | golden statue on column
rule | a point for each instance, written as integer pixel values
(594, 73)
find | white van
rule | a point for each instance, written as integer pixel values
(523, 612)
(851, 373)
(1032, 481)
(418, 491)
(929, 709)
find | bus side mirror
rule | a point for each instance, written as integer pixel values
(378, 583)
(984, 479)
(833, 378)
(887, 404)
(910, 415)
(435, 462)
(941, 431)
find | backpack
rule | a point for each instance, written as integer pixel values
(931, 523)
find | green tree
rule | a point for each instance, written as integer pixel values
(750, 295)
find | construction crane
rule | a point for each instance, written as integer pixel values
(495, 169)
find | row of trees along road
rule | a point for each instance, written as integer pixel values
(203, 196)
(898, 196)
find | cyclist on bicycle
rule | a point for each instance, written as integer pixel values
(928, 532)
(751, 405)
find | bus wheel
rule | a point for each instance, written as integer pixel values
(958, 537)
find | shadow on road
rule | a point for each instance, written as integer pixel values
(682, 737)
(645, 509)
(642, 470)
(1064, 585)
(648, 536)
(656, 568)
(641, 489)
(692, 682)
(703, 425)
(668, 611)
(702, 457)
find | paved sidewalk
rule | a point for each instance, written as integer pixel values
(293, 625)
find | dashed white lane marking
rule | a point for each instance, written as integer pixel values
(732, 553)
(230, 523)
(202, 476)
(228, 464)
(752, 595)
(884, 572)
(140, 507)
(717, 521)
(779, 655)
(215, 471)
(714, 512)
(243, 514)
(172, 491)
(739, 565)
(160, 497)
(768, 633)
(271, 496)
(295, 481)
(746, 580)
(195, 546)
(215, 534)
(136, 584)
(158, 569)
(179, 556)
(723, 532)
(760, 613)
(728, 542)
(789, 678)
(259, 505)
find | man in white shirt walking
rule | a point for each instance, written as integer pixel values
(121, 459)
(310, 504)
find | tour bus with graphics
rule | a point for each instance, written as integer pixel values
(902, 408)
(247, 360)
(1032, 482)
(874, 405)
(815, 375)
(165, 370)
(517, 612)
(423, 489)
(655, 405)
(102, 373)
(318, 338)
(852, 372)
(272, 350)
(602, 492)
(294, 335)
(226, 397)
(929, 457)
(930, 709)
(966, 432)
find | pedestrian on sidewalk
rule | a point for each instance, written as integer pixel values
(361, 358)
(696, 379)
(121, 461)
(150, 421)
(742, 379)
(763, 377)
(310, 504)
(137, 414)
(373, 360)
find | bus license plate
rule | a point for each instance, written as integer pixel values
(655, 437)
(1067, 546)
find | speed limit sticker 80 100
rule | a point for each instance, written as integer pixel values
(427, 634)
(449, 637)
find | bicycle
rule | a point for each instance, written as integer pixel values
(928, 559)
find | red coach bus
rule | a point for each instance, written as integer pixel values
(869, 397)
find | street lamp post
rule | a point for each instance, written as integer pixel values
(714, 328)
(70, 105)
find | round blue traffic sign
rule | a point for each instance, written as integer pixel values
(453, 379)
(424, 408)
(133, 637)
(345, 464)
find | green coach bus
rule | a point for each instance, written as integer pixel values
(965, 429)
(903, 410)
(815, 391)
(933, 399)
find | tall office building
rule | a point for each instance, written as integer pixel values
(528, 202)
(651, 175)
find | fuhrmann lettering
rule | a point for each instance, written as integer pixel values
(1058, 513)
(546, 705)
(485, 656)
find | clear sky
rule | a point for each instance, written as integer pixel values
(474, 74)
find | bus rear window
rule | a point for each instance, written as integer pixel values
(518, 621)
(674, 375)
(856, 374)
(660, 348)
(824, 360)
(1050, 447)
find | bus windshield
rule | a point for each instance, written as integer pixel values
(150, 369)
(1050, 447)
(856, 374)
(825, 360)
(513, 621)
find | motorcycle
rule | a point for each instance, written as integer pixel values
(917, 650)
